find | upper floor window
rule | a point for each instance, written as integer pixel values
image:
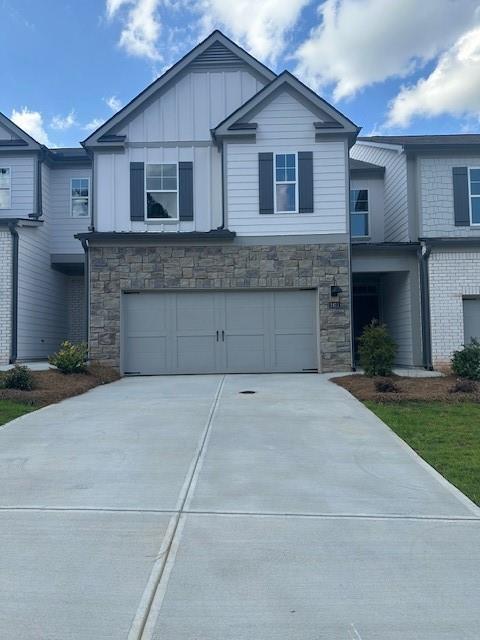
(359, 212)
(286, 184)
(161, 186)
(80, 197)
(5, 188)
(474, 190)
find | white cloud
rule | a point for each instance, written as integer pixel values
(141, 27)
(452, 88)
(93, 124)
(32, 123)
(63, 122)
(361, 42)
(114, 103)
(261, 26)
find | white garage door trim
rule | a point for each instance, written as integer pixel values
(219, 331)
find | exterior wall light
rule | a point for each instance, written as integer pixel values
(335, 290)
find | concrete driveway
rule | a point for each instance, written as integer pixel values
(179, 508)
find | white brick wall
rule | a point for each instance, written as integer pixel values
(5, 295)
(436, 193)
(453, 274)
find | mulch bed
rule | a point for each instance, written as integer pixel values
(408, 389)
(52, 386)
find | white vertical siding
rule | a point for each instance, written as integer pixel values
(396, 201)
(5, 134)
(42, 294)
(286, 126)
(397, 313)
(23, 188)
(63, 226)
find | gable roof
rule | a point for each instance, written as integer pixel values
(426, 141)
(19, 137)
(216, 49)
(331, 120)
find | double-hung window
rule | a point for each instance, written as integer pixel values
(359, 213)
(161, 186)
(80, 197)
(286, 183)
(474, 192)
(5, 188)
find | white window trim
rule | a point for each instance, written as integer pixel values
(285, 153)
(470, 196)
(9, 187)
(177, 191)
(360, 212)
(72, 215)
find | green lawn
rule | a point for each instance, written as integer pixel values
(10, 410)
(447, 436)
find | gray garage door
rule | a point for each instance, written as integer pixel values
(471, 319)
(219, 332)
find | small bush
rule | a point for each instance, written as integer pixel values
(464, 386)
(20, 377)
(70, 358)
(386, 386)
(466, 362)
(376, 350)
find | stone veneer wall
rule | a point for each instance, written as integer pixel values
(6, 251)
(452, 275)
(117, 268)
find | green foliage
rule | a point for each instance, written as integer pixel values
(376, 350)
(466, 362)
(70, 358)
(20, 377)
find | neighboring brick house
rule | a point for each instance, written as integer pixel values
(235, 222)
(432, 209)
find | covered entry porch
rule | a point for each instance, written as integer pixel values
(386, 288)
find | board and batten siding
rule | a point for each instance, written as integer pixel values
(395, 180)
(286, 126)
(22, 185)
(63, 226)
(5, 134)
(174, 128)
(436, 196)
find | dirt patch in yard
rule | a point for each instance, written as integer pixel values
(407, 389)
(52, 386)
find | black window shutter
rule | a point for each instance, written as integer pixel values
(185, 190)
(265, 182)
(461, 205)
(305, 182)
(137, 191)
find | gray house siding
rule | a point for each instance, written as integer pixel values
(396, 198)
(436, 196)
(23, 185)
(397, 313)
(63, 226)
(376, 206)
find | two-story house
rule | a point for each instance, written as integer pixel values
(44, 201)
(219, 235)
(229, 219)
(431, 232)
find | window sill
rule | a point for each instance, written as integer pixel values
(162, 221)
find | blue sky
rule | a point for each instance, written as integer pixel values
(392, 66)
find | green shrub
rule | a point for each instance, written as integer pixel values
(70, 358)
(466, 362)
(20, 377)
(376, 350)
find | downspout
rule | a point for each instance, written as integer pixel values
(86, 271)
(14, 311)
(425, 306)
(92, 194)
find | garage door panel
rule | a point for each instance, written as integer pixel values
(246, 353)
(196, 354)
(146, 355)
(294, 311)
(294, 352)
(152, 323)
(195, 312)
(244, 311)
